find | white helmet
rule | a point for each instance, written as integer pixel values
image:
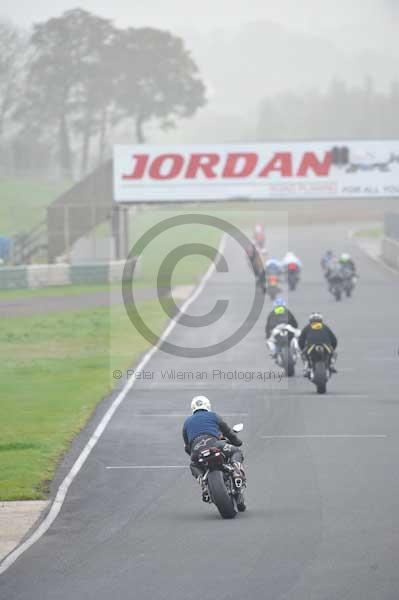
(200, 403)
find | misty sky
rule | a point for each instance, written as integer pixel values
(262, 40)
(305, 14)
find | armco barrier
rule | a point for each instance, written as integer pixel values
(89, 273)
(36, 276)
(13, 278)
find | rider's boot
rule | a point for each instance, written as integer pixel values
(306, 369)
(205, 493)
(272, 347)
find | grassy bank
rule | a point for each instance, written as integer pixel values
(23, 203)
(53, 372)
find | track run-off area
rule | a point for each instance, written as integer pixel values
(323, 483)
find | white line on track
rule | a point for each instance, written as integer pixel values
(181, 416)
(328, 396)
(76, 468)
(149, 467)
(324, 436)
(382, 358)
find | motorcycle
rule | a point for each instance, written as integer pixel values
(319, 359)
(348, 282)
(336, 285)
(272, 286)
(292, 276)
(286, 347)
(225, 490)
(257, 267)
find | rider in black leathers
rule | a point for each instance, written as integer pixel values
(317, 332)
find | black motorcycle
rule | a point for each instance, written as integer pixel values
(273, 288)
(336, 285)
(348, 281)
(318, 357)
(292, 277)
(225, 490)
(286, 348)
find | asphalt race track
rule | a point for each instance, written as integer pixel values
(323, 475)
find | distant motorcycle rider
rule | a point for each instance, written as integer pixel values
(273, 267)
(317, 332)
(347, 264)
(205, 428)
(279, 315)
(257, 264)
(326, 259)
(291, 260)
(259, 236)
(334, 273)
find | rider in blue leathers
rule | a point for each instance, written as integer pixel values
(205, 428)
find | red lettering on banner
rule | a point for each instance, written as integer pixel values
(166, 166)
(240, 165)
(204, 163)
(141, 161)
(280, 163)
(311, 162)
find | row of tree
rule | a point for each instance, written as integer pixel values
(342, 112)
(77, 77)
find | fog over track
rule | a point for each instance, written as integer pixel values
(322, 471)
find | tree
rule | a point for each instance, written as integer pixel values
(12, 48)
(95, 88)
(66, 84)
(158, 79)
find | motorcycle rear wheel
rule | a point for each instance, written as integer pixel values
(220, 496)
(288, 362)
(320, 377)
(337, 294)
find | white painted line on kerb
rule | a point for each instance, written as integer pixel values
(323, 436)
(149, 467)
(64, 487)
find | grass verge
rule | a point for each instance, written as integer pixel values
(375, 233)
(53, 372)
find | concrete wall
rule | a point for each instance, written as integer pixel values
(390, 252)
(390, 242)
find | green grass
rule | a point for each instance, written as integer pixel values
(376, 232)
(53, 372)
(23, 203)
(62, 290)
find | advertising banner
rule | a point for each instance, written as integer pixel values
(289, 170)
